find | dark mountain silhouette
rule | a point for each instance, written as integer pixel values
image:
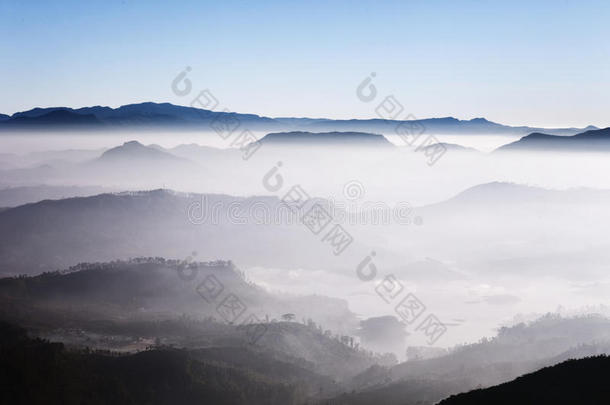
(4, 117)
(597, 140)
(325, 138)
(147, 115)
(583, 381)
(162, 115)
(57, 117)
(35, 371)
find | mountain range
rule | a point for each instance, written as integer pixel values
(165, 115)
(516, 350)
(123, 303)
(54, 234)
(588, 141)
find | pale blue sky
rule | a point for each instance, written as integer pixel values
(540, 63)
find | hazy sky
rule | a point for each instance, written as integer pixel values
(540, 63)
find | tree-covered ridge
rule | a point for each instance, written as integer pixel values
(129, 306)
(35, 371)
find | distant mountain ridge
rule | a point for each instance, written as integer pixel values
(505, 193)
(54, 117)
(162, 115)
(327, 138)
(102, 227)
(135, 150)
(597, 140)
(145, 115)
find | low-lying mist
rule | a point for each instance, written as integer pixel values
(477, 236)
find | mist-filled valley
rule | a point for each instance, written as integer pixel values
(369, 269)
(304, 203)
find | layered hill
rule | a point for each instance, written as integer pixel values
(515, 351)
(56, 234)
(597, 140)
(119, 305)
(159, 375)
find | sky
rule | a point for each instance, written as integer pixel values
(537, 63)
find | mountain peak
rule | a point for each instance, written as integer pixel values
(133, 144)
(135, 150)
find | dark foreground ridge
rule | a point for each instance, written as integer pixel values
(583, 381)
(35, 371)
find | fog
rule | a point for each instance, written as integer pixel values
(476, 261)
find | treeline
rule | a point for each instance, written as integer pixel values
(173, 263)
(34, 371)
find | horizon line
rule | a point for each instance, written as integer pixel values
(311, 118)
